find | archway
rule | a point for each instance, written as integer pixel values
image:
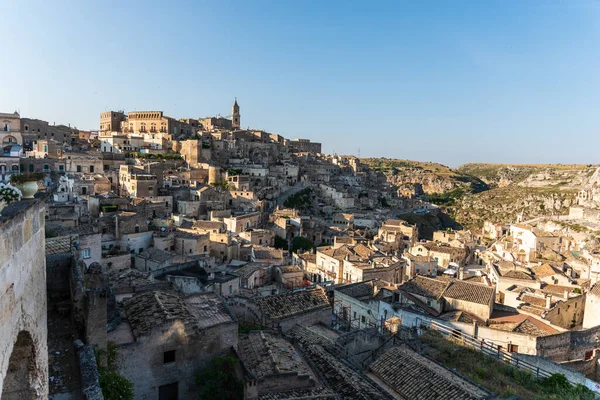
(21, 370)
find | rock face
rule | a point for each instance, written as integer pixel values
(432, 178)
(512, 203)
(523, 191)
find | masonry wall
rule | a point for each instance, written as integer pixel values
(23, 299)
(322, 316)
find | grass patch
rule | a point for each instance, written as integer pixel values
(498, 376)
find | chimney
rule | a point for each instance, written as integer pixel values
(566, 294)
(548, 301)
(461, 273)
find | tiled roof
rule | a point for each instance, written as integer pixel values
(307, 337)
(156, 255)
(461, 316)
(266, 354)
(208, 309)
(321, 393)
(426, 287)
(148, 310)
(339, 254)
(516, 274)
(359, 289)
(362, 251)
(417, 377)
(58, 245)
(249, 269)
(544, 270)
(535, 301)
(346, 382)
(471, 292)
(285, 305)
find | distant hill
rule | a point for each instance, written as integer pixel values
(475, 192)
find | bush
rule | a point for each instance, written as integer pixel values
(219, 380)
(303, 243)
(113, 385)
(280, 243)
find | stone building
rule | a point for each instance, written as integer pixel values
(135, 183)
(304, 146)
(271, 365)
(23, 327)
(165, 339)
(110, 121)
(305, 307)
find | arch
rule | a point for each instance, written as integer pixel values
(21, 374)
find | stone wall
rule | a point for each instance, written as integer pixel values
(23, 318)
(142, 361)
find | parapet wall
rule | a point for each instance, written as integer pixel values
(23, 319)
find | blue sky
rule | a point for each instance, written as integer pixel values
(446, 81)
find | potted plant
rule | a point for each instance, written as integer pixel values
(8, 194)
(27, 183)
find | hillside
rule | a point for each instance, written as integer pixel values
(473, 193)
(530, 190)
(431, 178)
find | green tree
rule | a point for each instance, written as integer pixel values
(113, 385)
(219, 380)
(303, 243)
(280, 243)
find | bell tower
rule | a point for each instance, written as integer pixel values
(235, 115)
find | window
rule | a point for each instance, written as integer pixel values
(362, 319)
(79, 168)
(31, 167)
(137, 229)
(91, 168)
(589, 355)
(230, 290)
(354, 315)
(513, 348)
(45, 148)
(205, 248)
(83, 190)
(46, 168)
(61, 168)
(15, 168)
(87, 253)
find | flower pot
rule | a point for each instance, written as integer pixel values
(29, 189)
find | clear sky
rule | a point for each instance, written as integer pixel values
(447, 81)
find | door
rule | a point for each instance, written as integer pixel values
(169, 392)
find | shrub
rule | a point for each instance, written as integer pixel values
(303, 243)
(219, 380)
(27, 177)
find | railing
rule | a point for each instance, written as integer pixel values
(485, 347)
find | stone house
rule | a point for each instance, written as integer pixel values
(165, 339)
(272, 365)
(437, 296)
(253, 275)
(419, 265)
(443, 255)
(399, 233)
(241, 223)
(304, 307)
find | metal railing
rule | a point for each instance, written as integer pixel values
(486, 347)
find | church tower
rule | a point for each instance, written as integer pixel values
(235, 115)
